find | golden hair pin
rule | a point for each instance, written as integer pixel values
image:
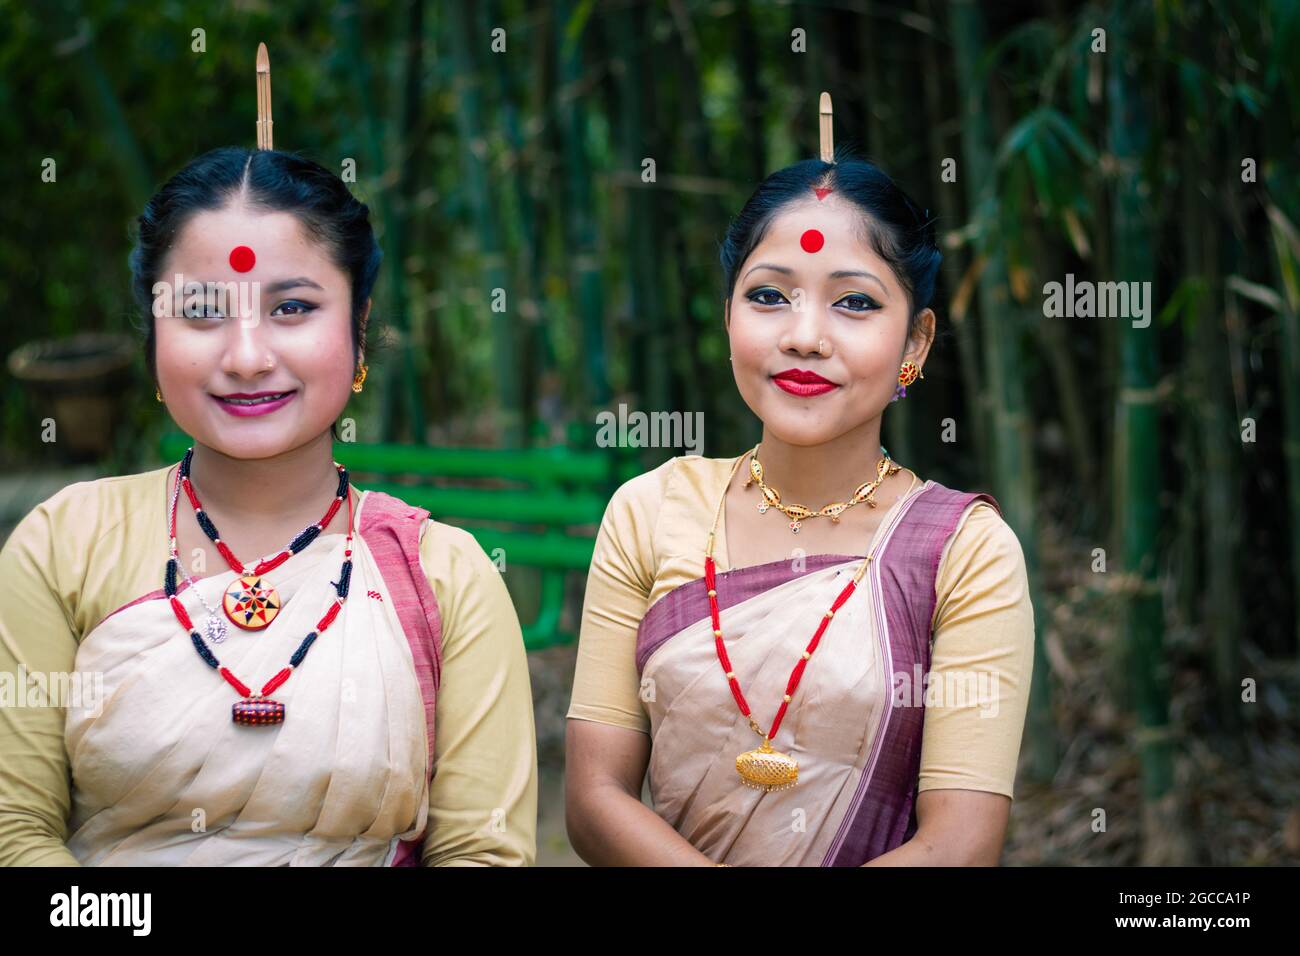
(263, 98)
(827, 136)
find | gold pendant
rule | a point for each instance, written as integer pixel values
(767, 769)
(250, 604)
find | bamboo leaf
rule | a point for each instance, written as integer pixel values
(1069, 132)
(1078, 237)
(1042, 176)
(1018, 276)
(1286, 238)
(966, 289)
(576, 23)
(1183, 302)
(1255, 292)
(1030, 39)
(1019, 137)
(1249, 97)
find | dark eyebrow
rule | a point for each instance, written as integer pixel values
(295, 283)
(841, 273)
(846, 273)
(768, 265)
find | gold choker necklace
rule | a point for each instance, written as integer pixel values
(797, 513)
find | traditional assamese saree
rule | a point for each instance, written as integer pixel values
(920, 682)
(149, 769)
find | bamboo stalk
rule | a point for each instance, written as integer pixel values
(1000, 326)
(1137, 466)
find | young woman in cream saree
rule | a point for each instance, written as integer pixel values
(763, 666)
(246, 712)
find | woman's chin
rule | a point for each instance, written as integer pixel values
(791, 430)
(252, 439)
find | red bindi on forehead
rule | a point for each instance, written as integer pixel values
(812, 240)
(242, 258)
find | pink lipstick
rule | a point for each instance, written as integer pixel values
(247, 404)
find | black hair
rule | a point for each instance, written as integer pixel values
(895, 227)
(272, 180)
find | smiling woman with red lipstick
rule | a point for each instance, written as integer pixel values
(818, 658)
(269, 647)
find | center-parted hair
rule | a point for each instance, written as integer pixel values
(266, 179)
(894, 226)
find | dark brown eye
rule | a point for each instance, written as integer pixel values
(857, 302)
(299, 307)
(766, 297)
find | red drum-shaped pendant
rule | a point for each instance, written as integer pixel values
(250, 604)
(257, 711)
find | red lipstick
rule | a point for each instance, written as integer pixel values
(803, 383)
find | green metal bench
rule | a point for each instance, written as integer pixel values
(541, 507)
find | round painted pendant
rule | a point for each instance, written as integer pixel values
(250, 604)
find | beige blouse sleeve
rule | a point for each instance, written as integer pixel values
(37, 637)
(483, 796)
(606, 686)
(981, 660)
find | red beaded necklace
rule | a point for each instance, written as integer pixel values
(765, 768)
(258, 709)
(250, 603)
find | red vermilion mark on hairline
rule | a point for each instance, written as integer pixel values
(242, 258)
(812, 241)
(822, 191)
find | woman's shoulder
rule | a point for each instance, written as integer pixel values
(86, 511)
(690, 475)
(444, 548)
(93, 544)
(968, 515)
(452, 546)
(983, 554)
(982, 524)
(467, 584)
(646, 511)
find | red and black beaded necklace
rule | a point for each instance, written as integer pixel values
(250, 603)
(257, 709)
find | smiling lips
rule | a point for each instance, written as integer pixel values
(803, 383)
(245, 404)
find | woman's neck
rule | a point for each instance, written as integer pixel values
(266, 489)
(815, 475)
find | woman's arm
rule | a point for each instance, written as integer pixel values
(36, 637)
(607, 739)
(953, 828)
(483, 796)
(607, 822)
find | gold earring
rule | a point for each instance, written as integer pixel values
(157, 394)
(908, 373)
(359, 379)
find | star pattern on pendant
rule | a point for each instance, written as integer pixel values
(250, 604)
